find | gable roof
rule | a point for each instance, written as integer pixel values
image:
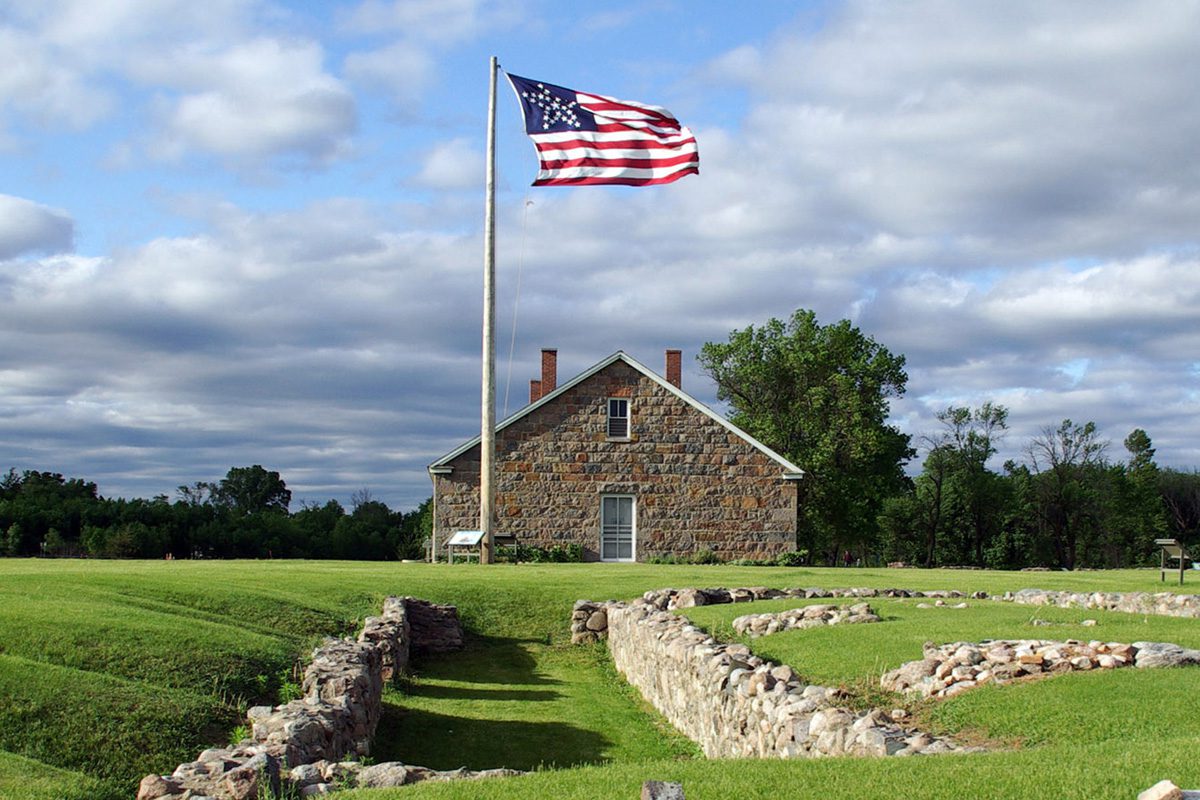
(790, 469)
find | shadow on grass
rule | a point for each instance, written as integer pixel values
(473, 693)
(485, 659)
(473, 708)
(417, 736)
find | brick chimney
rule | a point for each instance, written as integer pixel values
(675, 368)
(549, 371)
(535, 390)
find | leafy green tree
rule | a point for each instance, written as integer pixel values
(315, 525)
(10, 544)
(970, 439)
(195, 494)
(819, 395)
(1180, 491)
(39, 501)
(1139, 511)
(1066, 461)
(415, 530)
(248, 490)
(931, 499)
(54, 544)
(899, 536)
(1022, 540)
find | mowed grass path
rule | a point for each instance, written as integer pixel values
(109, 670)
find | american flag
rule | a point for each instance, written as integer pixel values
(587, 139)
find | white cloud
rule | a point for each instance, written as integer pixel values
(258, 98)
(420, 32)
(454, 164)
(27, 227)
(220, 86)
(402, 68)
(984, 124)
(308, 339)
(35, 84)
(434, 21)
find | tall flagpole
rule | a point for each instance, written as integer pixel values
(487, 439)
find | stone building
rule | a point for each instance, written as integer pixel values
(626, 464)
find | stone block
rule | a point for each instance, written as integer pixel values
(1163, 790)
(662, 790)
(154, 787)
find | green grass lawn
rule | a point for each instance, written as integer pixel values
(109, 670)
(525, 705)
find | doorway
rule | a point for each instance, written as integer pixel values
(617, 527)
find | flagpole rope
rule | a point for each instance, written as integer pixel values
(512, 342)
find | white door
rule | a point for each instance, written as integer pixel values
(616, 528)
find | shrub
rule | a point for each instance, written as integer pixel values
(795, 558)
(556, 554)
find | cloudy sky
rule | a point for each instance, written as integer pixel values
(247, 232)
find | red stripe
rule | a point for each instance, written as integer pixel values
(629, 144)
(642, 163)
(617, 127)
(617, 181)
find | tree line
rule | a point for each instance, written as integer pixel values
(819, 395)
(244, 515)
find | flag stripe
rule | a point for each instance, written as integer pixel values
(616, 180)
(599, 104)
(586, 161)
(617, 136)
(549, 149)
(641, 128)
(584, 138)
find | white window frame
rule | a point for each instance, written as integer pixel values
(608, 419)
(632, 527)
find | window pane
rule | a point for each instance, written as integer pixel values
(618, 418)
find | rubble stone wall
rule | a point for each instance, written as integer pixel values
(733, 703)
(815, 616)
(301, 742)
(1167, 604)
(961, 666)
(435, 628)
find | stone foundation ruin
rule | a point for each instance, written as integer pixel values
(958, 667)
(722, 696)
(733, 703)
(299, 747)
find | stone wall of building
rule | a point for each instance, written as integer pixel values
(697, 485)
(299, 746)
(733, 703)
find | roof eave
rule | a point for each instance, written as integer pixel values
(790, 468)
